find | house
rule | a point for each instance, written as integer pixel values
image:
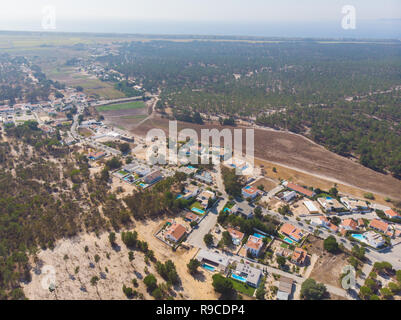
(243, 208)
(190, 191)
(254, 245)
(379, 225)
(236, 235)
(204, 197)
(153, 177)
(141, 170)
(290, 231)
(215, 260)
(190, 217)
(349, 225)
(248, 274)
(205, 177)
(250, 192)
(391, 214)
(283, 252)
(361, 223)
(288, 196)
(311, 207)
(319, 221)
(284, 288)
(374, 239)
(299, 256)
(96, 155)
(299, 189)
(176, 232)
(331, 205)
(355, 205)
(322, 221)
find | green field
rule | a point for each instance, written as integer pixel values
(242, 287)
(123, 106)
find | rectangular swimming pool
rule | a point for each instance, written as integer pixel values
(237, 277)
(207, 267)
(358, 237)
(288, 240)
(196, 210)
(260, 236)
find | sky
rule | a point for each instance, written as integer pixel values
(246, 17)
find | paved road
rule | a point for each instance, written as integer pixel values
(204, 227)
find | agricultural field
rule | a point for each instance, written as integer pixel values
(122, 106)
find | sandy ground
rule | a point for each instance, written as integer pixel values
(303, 160)
(327, 267)
(199, 287)
(113, 270)
(72, 285)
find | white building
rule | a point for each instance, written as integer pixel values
(374, 239)
(311, 207)
(289, 195)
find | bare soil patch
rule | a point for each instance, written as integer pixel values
(328, 267)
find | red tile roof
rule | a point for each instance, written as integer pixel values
(379, 225)
(300, 189)
(177, 231)
(235, 233)
(290, 230)
(391, 213)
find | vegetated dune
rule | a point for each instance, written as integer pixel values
(301, 154)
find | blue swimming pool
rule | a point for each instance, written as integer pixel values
(142, 185)
(260, 236)
(191, 167)
(358, 237)
(227, 209)
(288, 240)
(207, 267)
(194, 209)
(179, 196)
(236, 277)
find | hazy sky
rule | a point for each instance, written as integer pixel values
(245, 17)
(200, 10)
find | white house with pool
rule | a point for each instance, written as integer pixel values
(247, 274)
(371, 238)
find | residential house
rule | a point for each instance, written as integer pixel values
(283, 252)
(251, 275)
(204, 197)
(299, 256)
(250, 192)
(288, 196)
(254, 245)
(243, 208)
(176, 232)
(290, 231)
(322, 221)
(205, 177)
(355, 205)
(153, 177)
(374, 239)
(349, 225)
(96, 155)
(190, 217)
(391, 214)
(331, 205)
(215, 260)
(299, 189)
(379, 225)
(284, 288)
(190, 191)
(236, 235)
